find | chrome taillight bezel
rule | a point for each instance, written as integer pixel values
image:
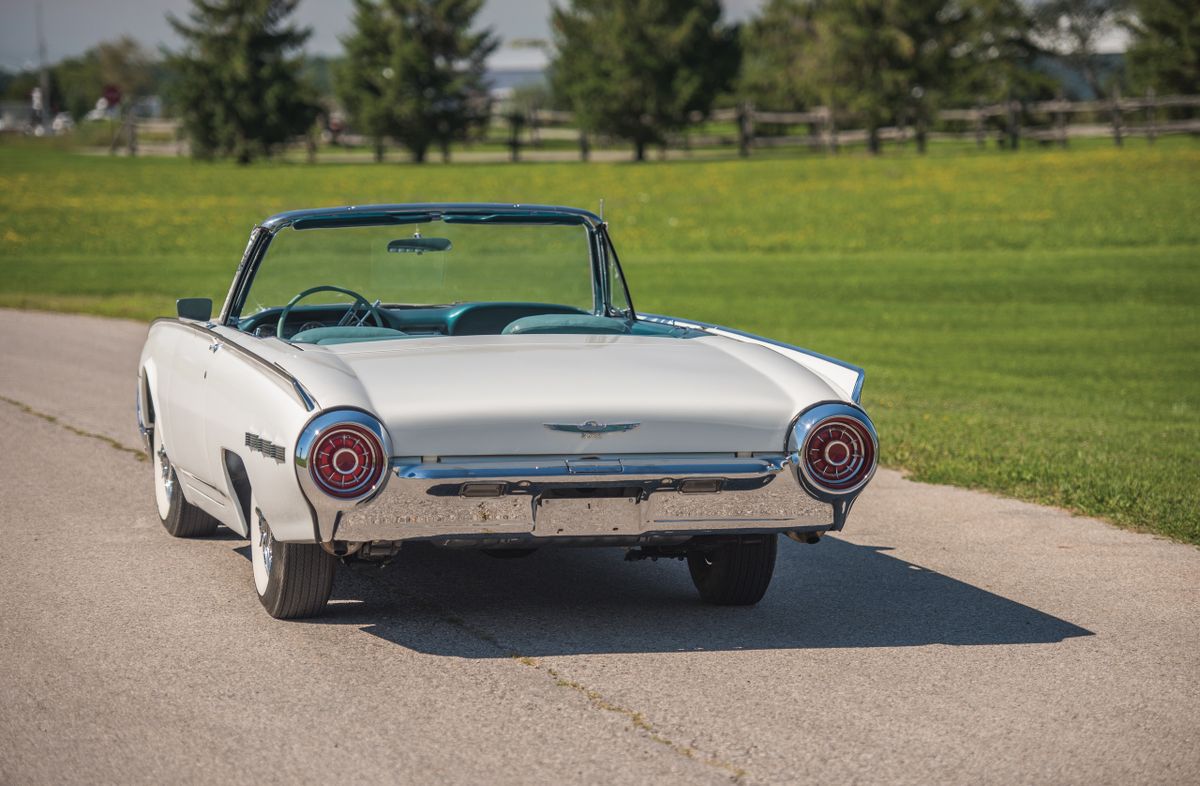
(361, 424)
(811, 423)
(347, 460)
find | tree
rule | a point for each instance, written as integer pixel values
(786, 60)
(1074, 28)
(238, 81)
(1000, 55)
(962, 50)
(637, 69)
(887, 61)
(1165, 53)
(873, 54)
(414, 71)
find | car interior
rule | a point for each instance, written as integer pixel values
(327, 324)
(321, 322)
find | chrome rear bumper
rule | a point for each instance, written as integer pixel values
(626, 499)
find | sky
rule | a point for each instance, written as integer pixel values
(73, 26)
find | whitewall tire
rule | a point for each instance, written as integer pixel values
(293, 580)
(178, 516)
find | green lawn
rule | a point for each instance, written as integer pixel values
(1030, 322)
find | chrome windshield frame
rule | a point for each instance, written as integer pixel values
(390, 214)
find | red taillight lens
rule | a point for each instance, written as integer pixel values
(347, 461)
(839, 454)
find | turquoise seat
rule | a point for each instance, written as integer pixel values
(566, 323)
(345, 335)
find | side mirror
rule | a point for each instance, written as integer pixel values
(197, 308)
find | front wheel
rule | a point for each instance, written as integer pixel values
(179, 517)
(293, 580)
(736, 572)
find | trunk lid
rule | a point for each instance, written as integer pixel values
(495, 395)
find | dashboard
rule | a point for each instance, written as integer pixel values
(458, 319)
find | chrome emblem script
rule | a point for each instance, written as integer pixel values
(591, 429)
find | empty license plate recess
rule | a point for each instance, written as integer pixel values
(557, 517)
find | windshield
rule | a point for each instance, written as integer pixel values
(428, 263)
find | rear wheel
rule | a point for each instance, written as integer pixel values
(178, 516)
(293, 580)
(734, 572)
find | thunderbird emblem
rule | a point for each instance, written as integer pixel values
(591, 429)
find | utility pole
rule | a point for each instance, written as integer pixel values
(45, 75)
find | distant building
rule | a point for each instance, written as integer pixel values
(15, 115)
(513, 67)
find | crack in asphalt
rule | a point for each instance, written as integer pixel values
(140, 455)
(595, 698)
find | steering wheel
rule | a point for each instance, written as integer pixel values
(350, 317)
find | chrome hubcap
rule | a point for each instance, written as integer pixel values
(264, 542)
(168, 479)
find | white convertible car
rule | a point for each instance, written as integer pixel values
(476, 376)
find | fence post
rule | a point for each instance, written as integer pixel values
(1060, 120)
(1151, 115)
(745, 121)
(829, 130)
(515, 121)
(535, 137)
(1115, 103)
(980, 138)
(583, 145)
(126, 121)
(1014, 126)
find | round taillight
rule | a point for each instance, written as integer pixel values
(839, 454)
(347, 461)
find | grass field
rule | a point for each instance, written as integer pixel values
(1030, 322)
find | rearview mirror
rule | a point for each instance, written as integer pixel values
(419, 245)
(197, 308)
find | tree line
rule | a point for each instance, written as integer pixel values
(413, 72)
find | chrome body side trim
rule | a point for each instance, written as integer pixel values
(307, 400)
(201, 486)
(633, 498)
(707, 327)
(290, 382)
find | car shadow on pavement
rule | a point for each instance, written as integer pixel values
(588, 601)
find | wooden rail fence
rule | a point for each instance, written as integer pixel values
(1053, 121)
(746, 128)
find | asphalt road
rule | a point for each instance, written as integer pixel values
(946, 636)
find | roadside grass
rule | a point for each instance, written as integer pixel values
(1030, 322)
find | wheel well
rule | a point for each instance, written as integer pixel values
(147, 398)
(240, 482)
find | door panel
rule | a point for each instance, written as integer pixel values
(229, 387)
(185, 433)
